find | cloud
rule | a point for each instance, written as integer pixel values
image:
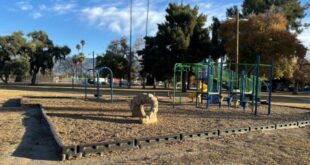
(24, 5)
(305, 38)
(42, 7)
(114, 15)
(55, 6)
(117, 19)
(36, 15)
(62, 8)
(214, 10)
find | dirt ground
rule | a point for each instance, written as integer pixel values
(11, 125)
(25, 140)
(77, 121)
(290, 146)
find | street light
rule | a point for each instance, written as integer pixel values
(237, 43)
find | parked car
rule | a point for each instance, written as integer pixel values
(102, 81)
(307, 88)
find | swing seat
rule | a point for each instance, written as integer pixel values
(100, 95)
(229, 100)
(244, 103)
(252, 105)
(236, 101)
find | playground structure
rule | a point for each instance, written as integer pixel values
(211, 77)
(98, 84)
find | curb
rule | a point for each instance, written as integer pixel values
(159, 139)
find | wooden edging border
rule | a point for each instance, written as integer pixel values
(67, 152)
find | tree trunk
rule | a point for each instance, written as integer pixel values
(295, 90)
(34, 77)
(154, 84)
(82, 71)
(143, 82)
(184, 82)
(120, 82)
(5, 79)
(188, 80)
(302, 86)
(18, 78)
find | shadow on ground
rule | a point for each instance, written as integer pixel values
(123, 116)
(80, 90)
(12, 103)
(37, 142)
(121, 119)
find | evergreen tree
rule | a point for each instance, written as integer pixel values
(181, 38)
(293, 10)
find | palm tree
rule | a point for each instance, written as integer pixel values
(75, 62)
(81, 59)
(81, 56)
(82, 44)
(78, 47)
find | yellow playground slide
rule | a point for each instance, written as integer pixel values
(204, 87)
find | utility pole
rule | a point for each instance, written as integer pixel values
(237, 48)
(147, 17)
(146, 33)
(130, 44)
(94, 67)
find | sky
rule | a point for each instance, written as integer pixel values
(100, 21)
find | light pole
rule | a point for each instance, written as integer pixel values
(237, 42)
(237, 48)
(130, 44)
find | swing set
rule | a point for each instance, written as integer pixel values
(98, 84)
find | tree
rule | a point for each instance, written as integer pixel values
(232, 12)
(136, 67)
(116, 63)
(266, 35)
(67, 66)
(10, 55)
(116, 58)
(42, 53)
(75, 61)
(78, 47)
(301, 74)
(79, 58)
(82, 42)
(293, 10)
(82, 57)
(81, 61)
(181, 38)
(218, 49)
(20, 67)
